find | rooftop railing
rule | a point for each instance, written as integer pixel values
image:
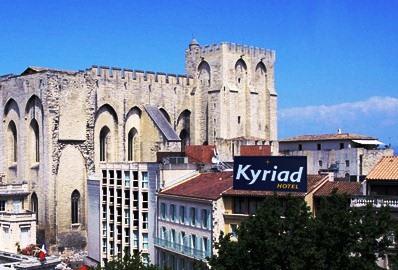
(375, 201)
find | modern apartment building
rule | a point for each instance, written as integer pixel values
(122, 211)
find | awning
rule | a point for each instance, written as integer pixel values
(368, 142)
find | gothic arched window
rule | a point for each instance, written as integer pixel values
(13, 141)
(34, 205)
(131, 143)
(75, 201)
(104, 141)
(35, 140)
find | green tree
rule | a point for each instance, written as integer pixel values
(283, 235)
(133, 262)
(277, 237)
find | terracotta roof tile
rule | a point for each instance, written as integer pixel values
(349, 188)
(207, 186)
(385, 169)
(211, 186)
(327, 137)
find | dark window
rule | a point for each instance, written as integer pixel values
(238, 119)
(320, 163)
(75, 206)
(35, 129)
(319, 146)
(34, 203)
(13, 140)
(104, 140)
(300, 147)
(2, 205)
(132, 137)
(341, 145)
(347, 163)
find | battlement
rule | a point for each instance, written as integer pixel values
(239, 48)
(117, 73)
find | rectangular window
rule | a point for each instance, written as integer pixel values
(205, 245)
(126, 217)
(135, 240)
(144, 241)
(172, 212)
(182, 214)
(347, 163)
(193, 241)
(173, 236)
(319, 146)
(238, 119)
(2, 205)
(320, 163)
(144, 199)
(204, 218)
(145, 220)
(193, 216)
(234, 228)
(341, 145)
(144, 179)
(127, 179)
(163, 211)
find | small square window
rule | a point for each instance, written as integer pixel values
(300, 147)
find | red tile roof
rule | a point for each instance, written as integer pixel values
(385, 170)
(213, 185)
(207, 186)
(327, 137)
(349, 188)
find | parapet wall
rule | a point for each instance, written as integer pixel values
(239, 48)
(115, 73)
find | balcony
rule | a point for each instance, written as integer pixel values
(183, 250)
(375, 201)
(14, 189)
(27, 216)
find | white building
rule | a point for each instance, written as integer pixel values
(187, 222)
(17, 225)
(349, 156)
(122, 209)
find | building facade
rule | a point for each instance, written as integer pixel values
(17, 222)
(348, 156)
(59, 126)
(124, 204)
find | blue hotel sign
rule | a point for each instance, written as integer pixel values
(271, 173)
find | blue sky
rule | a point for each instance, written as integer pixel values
(332, 56)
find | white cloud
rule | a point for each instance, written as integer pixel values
(385, 107)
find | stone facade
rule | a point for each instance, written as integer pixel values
(58, 126)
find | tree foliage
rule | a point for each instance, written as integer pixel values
(133, 262)
(284, 235)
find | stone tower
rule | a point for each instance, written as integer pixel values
(235, 101)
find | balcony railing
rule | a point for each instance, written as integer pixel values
(17, 217)
(13, 189)
(182, 249)
(375, 201)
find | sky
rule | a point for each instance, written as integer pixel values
(337, 61)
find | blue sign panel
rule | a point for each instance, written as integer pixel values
(272, 173)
